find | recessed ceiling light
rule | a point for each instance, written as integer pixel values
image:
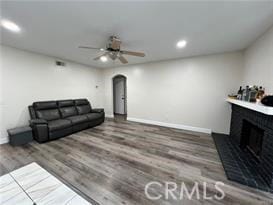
(181, 44)
(102, 49)
(10, 25)
(103, 58)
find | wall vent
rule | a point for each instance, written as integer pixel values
(60, 63)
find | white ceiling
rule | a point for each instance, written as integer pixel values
(58, 28)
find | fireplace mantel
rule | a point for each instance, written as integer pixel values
(258, 107)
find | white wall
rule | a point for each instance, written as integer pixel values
(27, 77)
(258, 69)
(189, 92)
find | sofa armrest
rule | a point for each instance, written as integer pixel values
(98, 110)
(40, 129)
(37, 121)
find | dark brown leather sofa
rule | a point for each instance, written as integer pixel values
(54, 119)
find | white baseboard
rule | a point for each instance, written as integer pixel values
(4, 140)
(109, 116)
(171, 125)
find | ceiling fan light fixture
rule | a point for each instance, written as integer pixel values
(9, 25)
(181, 44)
(112, 51)
(103, 59)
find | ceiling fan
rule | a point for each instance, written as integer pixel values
(113, 51)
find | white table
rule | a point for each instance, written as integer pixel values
(33, 184)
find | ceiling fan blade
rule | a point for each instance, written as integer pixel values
(132, 53)
(122, 59)
(88, 47)
(97, 58)
(112, 55)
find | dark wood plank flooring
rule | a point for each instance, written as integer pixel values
(113, 162)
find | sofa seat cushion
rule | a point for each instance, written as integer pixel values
(94, 116)
(77, 119)
(59, 124)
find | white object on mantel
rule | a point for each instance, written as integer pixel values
(258, 106)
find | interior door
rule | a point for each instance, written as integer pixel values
(120, 96)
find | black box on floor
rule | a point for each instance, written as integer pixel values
(20, 135)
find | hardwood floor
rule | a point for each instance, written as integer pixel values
(113, 162)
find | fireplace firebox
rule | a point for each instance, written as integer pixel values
(252, 139)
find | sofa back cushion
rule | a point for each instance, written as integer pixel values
(45, 105)
(65, 103)
(83, 106)
(52, 114)
(68, 111)
(67, 108)
(47, 110)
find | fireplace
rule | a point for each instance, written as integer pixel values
(247, 153)
(252, 139)
(251, 135)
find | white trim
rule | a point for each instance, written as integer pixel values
(171, 125)
(109, 116)
(4, 140)
(258, 107)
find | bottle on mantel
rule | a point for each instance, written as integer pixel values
(240, 93)
(245, 93)
(253, 93)
(260, 93)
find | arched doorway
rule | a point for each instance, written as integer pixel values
(120, 97)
